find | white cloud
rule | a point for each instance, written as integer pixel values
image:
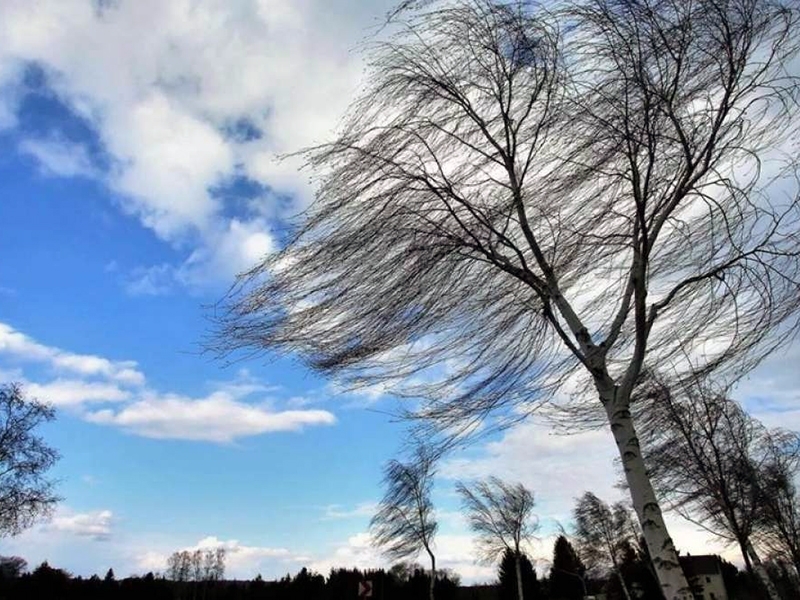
(357, 551)
(59, 157)
(216, 418)
(241, 560)
(229, 251)
(172, 159)
(19, 346)
(453, 551)
(241, 552)
(557, 468)
(94, 525)
(150, 561)
(74, 392)
(164, 85)
(223, 416)
(237, 248)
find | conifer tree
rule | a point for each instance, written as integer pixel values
(567, 573)
(507, 575)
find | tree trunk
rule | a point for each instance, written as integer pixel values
(659, 544)
(761, 571)
(517, 562)
(433, 574)
(624, 585)
(748, 565)
(620, 577)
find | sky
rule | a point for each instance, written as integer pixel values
(138, 175)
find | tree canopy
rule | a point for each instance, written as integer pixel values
(26, 493)
(405, 523)
(500, 513)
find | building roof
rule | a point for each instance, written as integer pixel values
(703, 564)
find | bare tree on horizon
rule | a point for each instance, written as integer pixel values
(501, 514)
(405, 523)
(601, 533)
(526, 202)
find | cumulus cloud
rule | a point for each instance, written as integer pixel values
(216, 418)
(93, 525)
(223, 416)
(233, 249)
(182, 96)
(242, 560)
(558, 468)
(242, 552)
(174, 158)
(19, 346)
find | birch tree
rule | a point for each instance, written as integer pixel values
(603, 534)
(779, 499)
(500, 514)
(179, 566)
(524, 197)
(704, 456)
(405, 524)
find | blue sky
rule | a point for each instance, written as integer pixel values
(137, 176)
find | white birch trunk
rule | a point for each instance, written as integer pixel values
(433, 574)
(517, 562)
(761, 571)
(662, 550)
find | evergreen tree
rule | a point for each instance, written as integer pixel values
(567, 575)
(507, 575)
(110, 575)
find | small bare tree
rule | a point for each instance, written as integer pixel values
(525, 196)
(25, 492)
(602, 534)
(405, 524)
(179, 566)
(779, 499)
(501, 514)
(704, 454)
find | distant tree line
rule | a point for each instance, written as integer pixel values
(568, 577)
(46, 582)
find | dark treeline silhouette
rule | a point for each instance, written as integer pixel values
(566, 579)
(46, 582)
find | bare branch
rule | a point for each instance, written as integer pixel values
(500, 514)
